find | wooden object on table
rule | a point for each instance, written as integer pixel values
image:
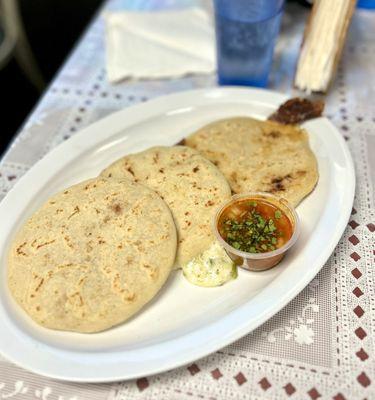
(322, 45)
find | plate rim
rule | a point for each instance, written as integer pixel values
(269, 98)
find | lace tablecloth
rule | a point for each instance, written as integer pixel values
(321, 346)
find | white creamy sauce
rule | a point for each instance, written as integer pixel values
(213, 267)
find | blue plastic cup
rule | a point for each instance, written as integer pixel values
(369, 4)
(246, 31)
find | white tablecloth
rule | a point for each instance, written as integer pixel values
(321, 346)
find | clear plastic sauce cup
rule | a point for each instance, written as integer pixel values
(258, 261)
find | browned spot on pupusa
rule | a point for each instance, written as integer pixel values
(67, 239)
(139, 245)
(80, 282)
(155, 158)
(233, 176)
(45, 244)
(154, 273)
(130, 297)
(151, 272)
(129, 259)
(75, 211)
(116, 208)
(196, 169)
(129, 169)
(76, 297)
(182, 142)
(278, 184)
(116, 282)
(273, 134)
(107, 269)
(20, 251)
(65, 266)
(39, 285)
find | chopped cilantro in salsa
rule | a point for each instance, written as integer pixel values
(254, 226)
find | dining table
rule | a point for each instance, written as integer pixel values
(322, 344)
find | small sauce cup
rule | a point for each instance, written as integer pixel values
(258, 261)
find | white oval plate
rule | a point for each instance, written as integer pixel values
(184, 322)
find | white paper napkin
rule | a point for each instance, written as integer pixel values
(159, 44)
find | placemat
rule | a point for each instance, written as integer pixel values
(321, 346)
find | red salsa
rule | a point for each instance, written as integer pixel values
(254, 226)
